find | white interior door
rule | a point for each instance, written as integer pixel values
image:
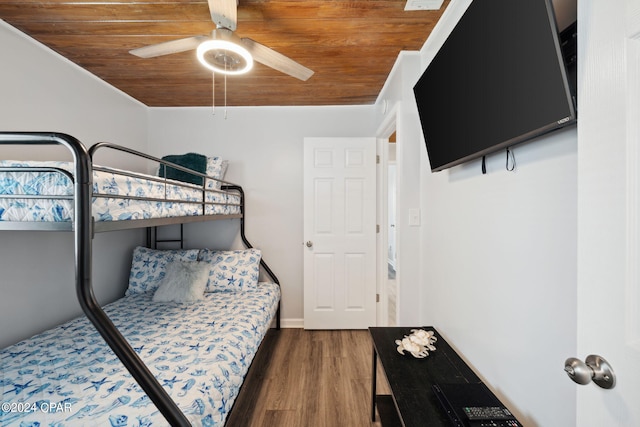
(608, 207)
(339, 233)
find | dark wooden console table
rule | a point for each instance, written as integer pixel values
(412, 401)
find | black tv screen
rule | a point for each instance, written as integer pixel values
(499, 79)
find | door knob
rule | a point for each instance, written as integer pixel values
(594, 368)
(309, 244)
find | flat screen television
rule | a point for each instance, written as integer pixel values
(499, 79)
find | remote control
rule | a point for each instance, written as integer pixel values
(487, 413)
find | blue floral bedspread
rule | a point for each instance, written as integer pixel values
(105, 184)
(199, 352)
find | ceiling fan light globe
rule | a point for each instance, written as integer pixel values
(223, 56)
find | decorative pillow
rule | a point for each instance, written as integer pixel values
(216, 168)
(148, 267)
(184, 282)
(232, 271)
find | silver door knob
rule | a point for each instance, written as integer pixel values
(309, 244)
(594, 368)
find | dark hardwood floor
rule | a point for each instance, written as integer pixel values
(309, 379)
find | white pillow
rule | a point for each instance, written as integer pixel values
(184, 282)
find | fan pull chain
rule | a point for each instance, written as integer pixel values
(213, 93)
(225, 91)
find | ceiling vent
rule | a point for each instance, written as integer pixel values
(423, 4)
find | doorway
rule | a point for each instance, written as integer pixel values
(388, 251)
(392, 265)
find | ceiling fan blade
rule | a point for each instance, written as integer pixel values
(224, 13)
(275, 60)
(166, 48)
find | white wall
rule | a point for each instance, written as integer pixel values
(264, 146)
(40, 91)
(497, 254)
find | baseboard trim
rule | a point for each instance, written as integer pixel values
(292, 323)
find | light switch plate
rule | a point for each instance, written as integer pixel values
(414, 217)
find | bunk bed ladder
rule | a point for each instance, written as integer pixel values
(153, 240)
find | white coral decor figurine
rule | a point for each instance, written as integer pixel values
(424, 338)
(417, 343)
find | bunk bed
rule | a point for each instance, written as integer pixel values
(200, 351)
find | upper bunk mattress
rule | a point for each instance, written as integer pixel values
(199, 353)
(117, 196)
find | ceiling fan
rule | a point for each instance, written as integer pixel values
(225, 52)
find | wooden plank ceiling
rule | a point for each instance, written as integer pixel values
(351, 45)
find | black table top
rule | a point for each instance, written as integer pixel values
(410, 379)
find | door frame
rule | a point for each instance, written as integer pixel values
(384, 131)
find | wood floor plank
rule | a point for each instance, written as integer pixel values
(311, 379)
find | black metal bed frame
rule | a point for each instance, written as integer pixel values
(83, 227)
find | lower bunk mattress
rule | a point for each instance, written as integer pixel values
(118, 196)
(199, 353)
